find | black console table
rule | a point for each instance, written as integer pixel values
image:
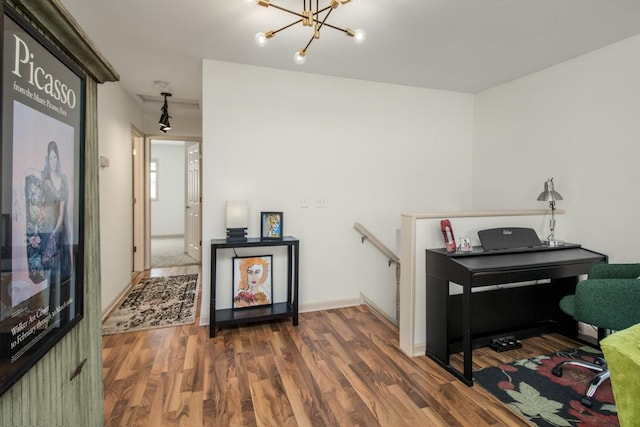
(277, 310)
(459, 323)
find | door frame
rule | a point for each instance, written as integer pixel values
(138, 205)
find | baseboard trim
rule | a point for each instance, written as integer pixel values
(366, 301)
(118, 300)
(419, 349)
(328, 305)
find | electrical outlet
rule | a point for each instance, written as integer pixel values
(322, 202)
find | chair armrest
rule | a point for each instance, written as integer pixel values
(622, 354)
(614, 271)
(608, 303)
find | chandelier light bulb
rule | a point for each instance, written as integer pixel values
(261, 39)
(360, 36)
(299, 58)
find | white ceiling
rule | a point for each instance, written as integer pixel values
(457, 45)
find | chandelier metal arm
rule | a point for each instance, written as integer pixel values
(286, 26)
(318, 12)
(318, 29)
(300, 20)
(302, 16)
(335, 28)
(326, 24)
(286, 10)
(297, 13)
(307, 46)
(325, 18)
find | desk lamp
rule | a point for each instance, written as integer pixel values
(551, 195)
(237, 221)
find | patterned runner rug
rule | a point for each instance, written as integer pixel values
(530, 389)
(156, 302)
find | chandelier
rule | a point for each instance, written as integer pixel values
(309, 18)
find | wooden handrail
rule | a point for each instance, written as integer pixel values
(366, 234)
(393, 259)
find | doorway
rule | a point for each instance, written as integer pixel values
(170, 228)
(174, 183)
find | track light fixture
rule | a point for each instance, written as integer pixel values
(309, 18)
(164, 117)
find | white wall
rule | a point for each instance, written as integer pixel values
(578, 122)
(167, 212)
(373, 150)
(116, 115)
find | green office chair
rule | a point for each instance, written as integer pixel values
(610, 300)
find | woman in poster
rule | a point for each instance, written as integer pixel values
(56, 255)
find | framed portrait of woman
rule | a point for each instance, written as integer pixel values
(252, 281)
(41, 293)
(271, 224)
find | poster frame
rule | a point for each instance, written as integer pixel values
(39, 81)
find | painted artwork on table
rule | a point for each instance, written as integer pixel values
(271, 225)
(252, 281)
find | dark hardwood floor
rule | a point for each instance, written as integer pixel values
(338, 367)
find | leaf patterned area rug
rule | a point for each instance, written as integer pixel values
(530, 389)
(156, 302)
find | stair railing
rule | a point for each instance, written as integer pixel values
(392, 258)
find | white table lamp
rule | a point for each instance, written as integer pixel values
(237, 221)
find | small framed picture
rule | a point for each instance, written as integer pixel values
(271, 225)
(465, 245)
(252, 281)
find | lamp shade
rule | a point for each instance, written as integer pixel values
(237, 214)
(549, 194)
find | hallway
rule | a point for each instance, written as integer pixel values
(169, 252)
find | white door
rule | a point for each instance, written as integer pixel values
(194, 200)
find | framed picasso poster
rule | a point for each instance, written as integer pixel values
(42, 184)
